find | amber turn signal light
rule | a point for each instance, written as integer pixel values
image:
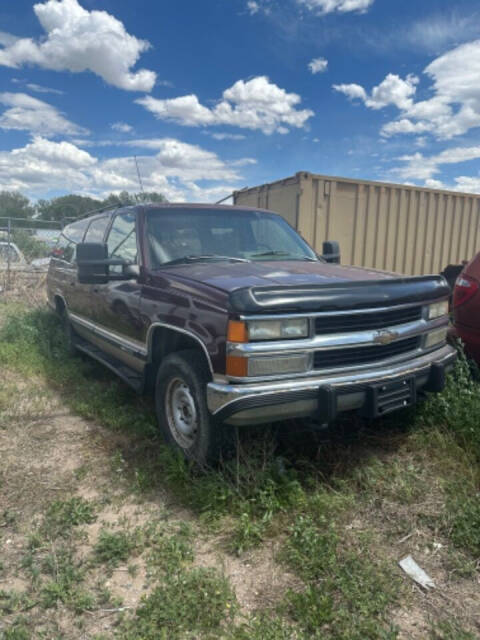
(237, 331)
(237, 367)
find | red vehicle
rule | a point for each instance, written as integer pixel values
(466, 308)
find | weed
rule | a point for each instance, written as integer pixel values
(347, 594)
(266, 626)
(457, 408)
(170, 552)
(67, 575)
(463, 519)
(113, 547)
(63, 515)
(193, 601)
(247, 533)
(13, 602)
(18, 630)
(450, 630)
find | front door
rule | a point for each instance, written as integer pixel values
(117, 304)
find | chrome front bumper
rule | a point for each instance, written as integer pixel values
(243, 404)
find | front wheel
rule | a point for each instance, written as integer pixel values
(183, 416)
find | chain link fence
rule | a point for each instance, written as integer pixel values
(26, 245)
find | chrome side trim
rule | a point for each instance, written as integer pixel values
(334, 340)
(132, 346)
(184, 331)
(220, 396)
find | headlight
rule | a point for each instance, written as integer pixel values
(437, 310)
(435, 337)
(278, 329)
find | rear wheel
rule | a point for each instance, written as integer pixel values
(183, 416)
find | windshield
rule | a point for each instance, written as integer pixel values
(188, 235)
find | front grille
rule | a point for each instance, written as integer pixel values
(368, 320)
(331, 358)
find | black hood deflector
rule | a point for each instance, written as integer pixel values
(339, 296)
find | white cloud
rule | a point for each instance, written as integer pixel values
(340, 6)
(39, 89)
(26, 113)
(469, 184)
(453, 109)
(228, 136)
(391, 91)
(420, 167)
(179, 170)
(435, 32)
(318, 65)
(252, 104)
(79, 40)
(253, 7)
(404, 126)
(431, 183)
(123, 127)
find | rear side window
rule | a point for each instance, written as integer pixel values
(64, 249)
(97, 228)
(122, 239)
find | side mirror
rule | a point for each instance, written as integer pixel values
(92, 263)
(331, 251)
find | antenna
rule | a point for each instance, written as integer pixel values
(223, 199)
(139, 178)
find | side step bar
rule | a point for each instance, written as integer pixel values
(128, 375)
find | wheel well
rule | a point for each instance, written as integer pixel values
(165, 341)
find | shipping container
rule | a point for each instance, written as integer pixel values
(402, 228)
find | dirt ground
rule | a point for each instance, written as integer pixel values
(48, 453)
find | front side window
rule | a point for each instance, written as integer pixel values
(122, 240)
(76, 231)
(181, 235)
(96, 230)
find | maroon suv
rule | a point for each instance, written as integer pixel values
(232, 319)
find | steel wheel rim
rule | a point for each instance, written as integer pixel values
(181, 412)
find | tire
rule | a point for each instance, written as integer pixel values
(183, 416)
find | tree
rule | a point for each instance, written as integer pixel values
(126, 198)
(71, 206)
(14, 205)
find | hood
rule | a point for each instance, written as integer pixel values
(229, 276)
(266, 287)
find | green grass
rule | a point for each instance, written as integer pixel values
(62, 515)
(113, 547)
(185, 604)
(451, 630)
(348, 590)
(305, 490)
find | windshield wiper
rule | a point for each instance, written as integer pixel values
(282, 253)
(202, 258)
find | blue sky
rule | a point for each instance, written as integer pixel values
(216, 95)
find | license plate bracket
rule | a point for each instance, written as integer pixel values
(386, 397)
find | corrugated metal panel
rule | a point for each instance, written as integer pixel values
(410, 230)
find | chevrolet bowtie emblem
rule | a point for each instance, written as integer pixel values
(385, 337)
